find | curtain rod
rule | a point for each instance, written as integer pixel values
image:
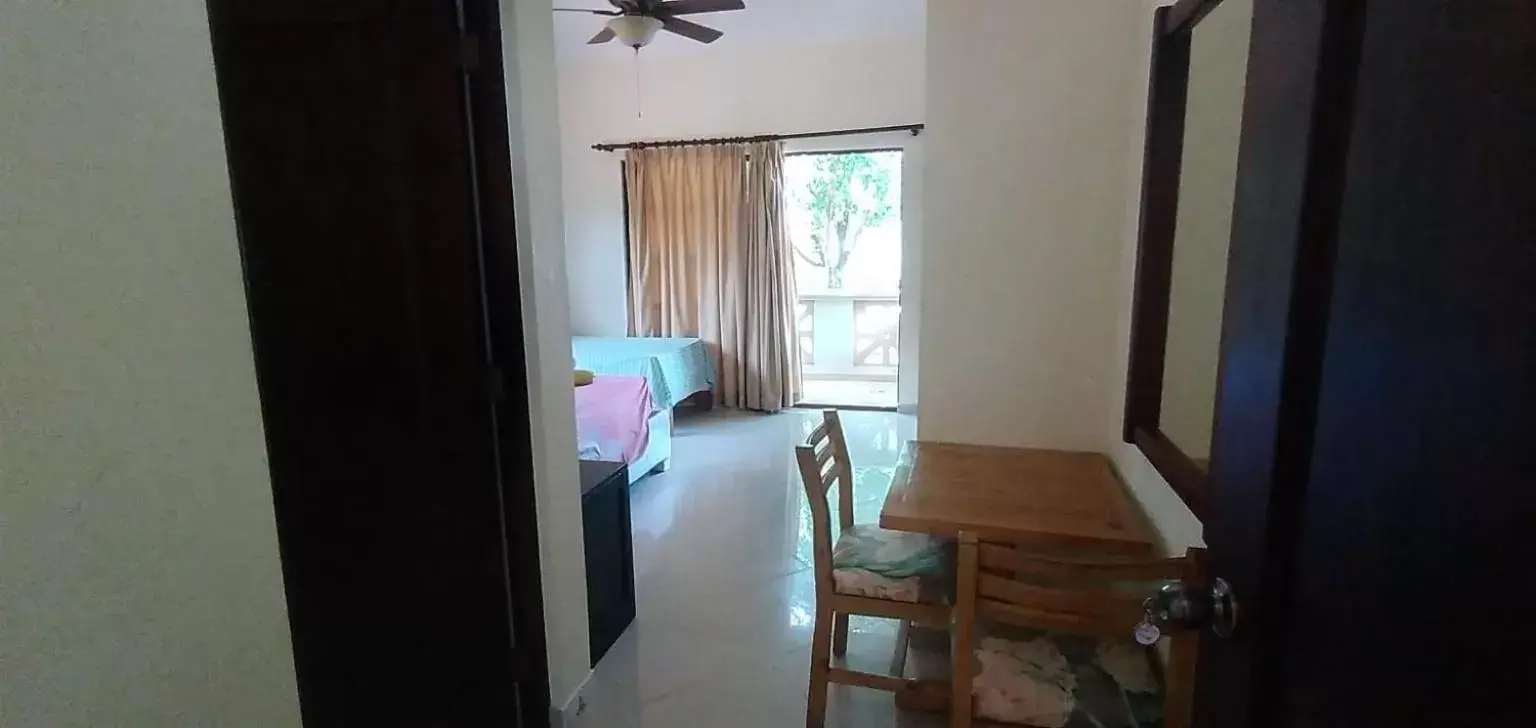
(914, 128)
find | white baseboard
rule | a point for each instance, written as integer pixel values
(565, 716)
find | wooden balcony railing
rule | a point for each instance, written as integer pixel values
(849, 336)
(876, 328)
(805, 329)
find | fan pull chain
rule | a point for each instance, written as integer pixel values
(639, 107)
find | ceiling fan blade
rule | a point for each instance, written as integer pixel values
(603, 36)
(693, 7)
(690, 30)
(610, 13)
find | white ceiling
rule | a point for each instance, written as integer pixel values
(764, 22)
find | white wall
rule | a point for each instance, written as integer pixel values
(1026, 178)
(908, 334)
(139, 575)
(534, 126)
(727, 91)
(1036, 116)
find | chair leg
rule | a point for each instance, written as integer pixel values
(960, 706)
(821, 647)
(840, 635)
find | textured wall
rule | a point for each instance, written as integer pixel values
(139, 574)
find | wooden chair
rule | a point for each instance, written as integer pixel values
(846, 586)
(1086, 612)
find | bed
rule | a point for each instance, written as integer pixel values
(617, 419)
(675, 368)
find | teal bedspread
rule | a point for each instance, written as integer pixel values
(675, 368)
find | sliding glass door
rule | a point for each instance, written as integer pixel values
(845, 226)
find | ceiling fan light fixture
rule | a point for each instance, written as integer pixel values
(635, 31)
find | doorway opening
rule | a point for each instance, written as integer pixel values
(845, 227)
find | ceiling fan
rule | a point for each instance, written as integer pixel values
(635, 22)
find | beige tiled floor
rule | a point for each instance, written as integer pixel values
(722, 571)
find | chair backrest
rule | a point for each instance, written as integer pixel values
(824, 461)
(1097, 597)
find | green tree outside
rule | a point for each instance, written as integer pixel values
(846, 194)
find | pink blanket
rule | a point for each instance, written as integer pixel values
(613, 418)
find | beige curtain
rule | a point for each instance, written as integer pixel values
(708, 258)
(769, 351)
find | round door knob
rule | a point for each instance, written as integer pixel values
(1189, 606)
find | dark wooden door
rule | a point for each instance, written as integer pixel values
(1374, 481)
(349, 133)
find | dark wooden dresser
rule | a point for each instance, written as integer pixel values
(610, 552)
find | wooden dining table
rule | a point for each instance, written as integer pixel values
(1046, 500)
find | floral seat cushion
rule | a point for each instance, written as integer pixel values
(1059, 680)
(870, 561)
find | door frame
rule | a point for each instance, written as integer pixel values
(907, 145)
(486, 103)
(1297, 117)
(484, 110)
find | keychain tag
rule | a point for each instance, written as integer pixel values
(1147, 633)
